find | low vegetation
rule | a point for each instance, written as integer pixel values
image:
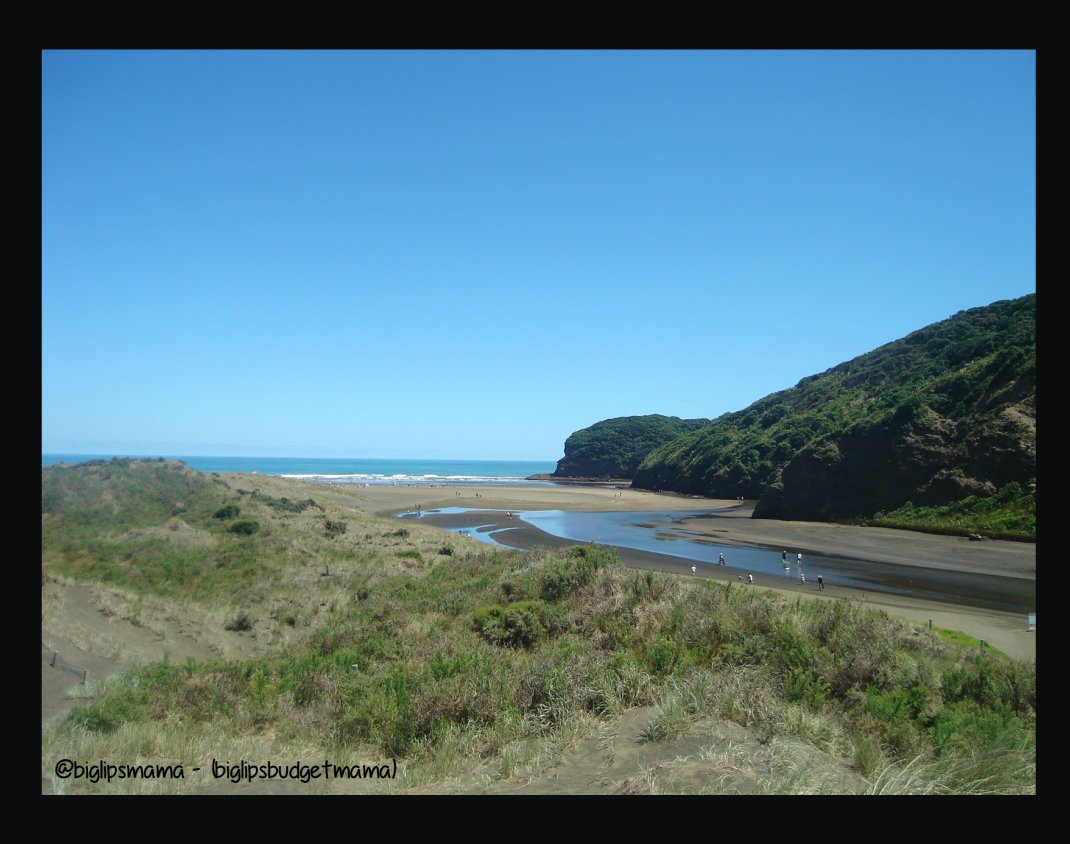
(335, 527)
(1009, 514)
(483, 664)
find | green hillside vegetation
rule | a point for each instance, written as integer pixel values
(614, 448)
(1010, 514)
(151, 526)
(471, 665)
(945, 415)
(122, 493)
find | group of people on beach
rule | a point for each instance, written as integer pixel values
(720, 562)
(802, 574)
(783, 559)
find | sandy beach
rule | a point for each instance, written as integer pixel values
(957, 558)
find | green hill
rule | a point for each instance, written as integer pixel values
(124, 493)
(614, 448)
(946, 415)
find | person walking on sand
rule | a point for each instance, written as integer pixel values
(820, 583)
(800, 558)
(721, 560)
(693, 570)
(802, 577)
(750, 578)
(784, 557)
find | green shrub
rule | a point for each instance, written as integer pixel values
(965, 724)
(104, 716)
(286, 504)
(899, 703)
(521, 624)
(664, 655)
(577, 569)
(246, 527)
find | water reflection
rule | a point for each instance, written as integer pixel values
(662, 533)
(485, 534)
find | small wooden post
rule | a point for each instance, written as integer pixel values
(84, 675)
(930, 625)
(54, 655)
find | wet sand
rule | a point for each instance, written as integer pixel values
(956, 559)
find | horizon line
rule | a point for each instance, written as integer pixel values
(300, 457)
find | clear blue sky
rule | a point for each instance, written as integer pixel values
(472, 255)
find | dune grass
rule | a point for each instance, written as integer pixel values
(482, 664)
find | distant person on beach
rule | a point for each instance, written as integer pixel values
(721, 560)
(750, 578)
(800, 558)
(820, 583)
(693, 570)
(784, 557)
(802, 577)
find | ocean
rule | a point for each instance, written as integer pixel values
(355, 470)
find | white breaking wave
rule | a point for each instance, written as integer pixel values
(422, 479)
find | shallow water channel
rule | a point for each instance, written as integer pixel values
(663, 533)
